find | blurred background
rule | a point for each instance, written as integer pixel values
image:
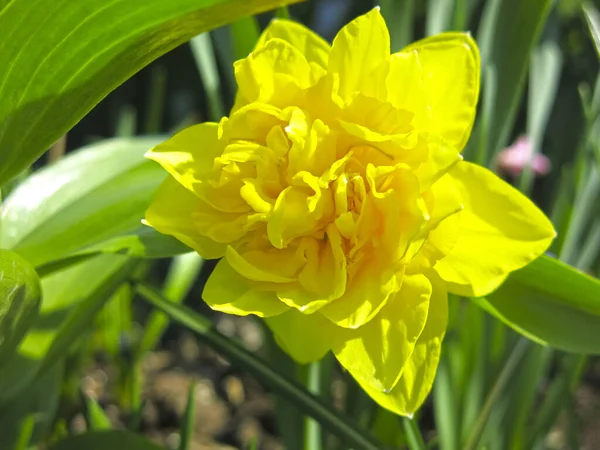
(539, 103)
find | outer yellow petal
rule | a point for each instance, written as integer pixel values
(229, 292)
(376, 353)
(305, 337)
(171, 212)
(189, 154)
(441, 156)
(314, 48)
(418, 373)
(450, 64)
(501, 230)
(274, 74)
(358, 53)
(406, 88)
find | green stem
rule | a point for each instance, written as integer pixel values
(295, 393)
(282, 13)
(413, 434)
(494, 395)
(312, 430)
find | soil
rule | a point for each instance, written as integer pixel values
(233, 411)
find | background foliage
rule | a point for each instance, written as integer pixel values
(87, 360)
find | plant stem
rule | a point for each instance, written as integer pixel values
(312, 429)
(413, 434)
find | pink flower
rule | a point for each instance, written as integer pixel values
(512, 160)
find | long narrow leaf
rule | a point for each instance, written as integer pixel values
(507, 35)
(187, 424)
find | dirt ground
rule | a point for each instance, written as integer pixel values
(233, 410)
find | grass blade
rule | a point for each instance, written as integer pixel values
(95, 417)
(202, 50)
(592, 18)
(507, 34)
(496, 392)
(187, 425)
(26, 433)
(399, 15)
(180, 279)
(546, 65)
(445, 408)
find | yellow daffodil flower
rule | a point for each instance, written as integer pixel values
(337, 198)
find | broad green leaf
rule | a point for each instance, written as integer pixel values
(106, 439)
(20, 297)
(71, 297)
(58, 59)
(552, 304)
(91, 201)
(507, 34)
(39, 402)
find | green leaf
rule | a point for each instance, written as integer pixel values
(95, 416)
(90, 201)
(28, 417)
(202, 49)
(25, 433)
(71, 297)
(546, 65)
(245, 33)
(20, 297)
(106, 439)
(59, 59)
(292, 391)
(399, 15)
(507, 34)
(187, 424)
(413, 434)
(180, 279)
(551, 303)
(592, 18)
(439, 15)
